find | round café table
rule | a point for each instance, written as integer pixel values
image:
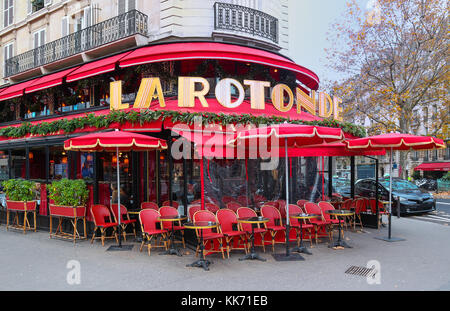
(301, 248)
(253, 221)
(172, 250)
(201, 225)
(340, 214)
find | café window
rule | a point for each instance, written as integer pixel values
(18, 165)
(58, 163)
(4, 165)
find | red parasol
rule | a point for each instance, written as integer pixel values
(115, 141)
(395, 141)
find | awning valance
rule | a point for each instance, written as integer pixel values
(439, 166)
(98, 67)
(213, 50)
(15, 90)
(48, 81)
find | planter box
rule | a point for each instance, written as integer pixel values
(71, 213)
(67, 211)
(21, 206)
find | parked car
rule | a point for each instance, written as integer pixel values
(412, 198)
(342, 186)
(427, 184)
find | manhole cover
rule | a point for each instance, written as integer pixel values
(361, 271)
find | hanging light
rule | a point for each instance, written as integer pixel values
(30, 155)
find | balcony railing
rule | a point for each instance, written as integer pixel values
(244, 19)
(116, 28)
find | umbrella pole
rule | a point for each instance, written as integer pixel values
(287, 196)
(118, 196)
(390, 193)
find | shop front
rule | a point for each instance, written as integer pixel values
(206, 87)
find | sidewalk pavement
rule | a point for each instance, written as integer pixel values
(422, 262)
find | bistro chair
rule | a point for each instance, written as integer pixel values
(102, 221)
(244, 212)
(213, 208)
(174, 204)
(273, 203)
(326, 206)
(167, 225)
(125, 219)
(235, 239)
(234, 206)
(148, 219)
(381, 210)
(359, 208)
(274, 225)
(295, 223)
(210, 237)
(192, 209)
(301, 203)
(152, 205)
(243, 200)
(321, 225)
(227, 199)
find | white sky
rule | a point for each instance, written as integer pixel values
(309, 21)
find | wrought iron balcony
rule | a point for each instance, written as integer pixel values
(239, 18)
(116, 28)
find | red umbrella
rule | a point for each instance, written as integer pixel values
(395, 141)
(114, 141)
(289, 137)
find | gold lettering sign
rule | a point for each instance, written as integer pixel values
(187, 92)
(325, 105)
(257, 98)
(116, 96)
(223, 93)
(191, 88)
(146, 93)
(278, 97)
(307, 102)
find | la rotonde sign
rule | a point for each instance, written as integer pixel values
(192, 88)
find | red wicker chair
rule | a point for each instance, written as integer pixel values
(152, 205)
(209, 236)
(125, 219)
(321, 225)
(244, 212)
(148, 219)
(167, 225)
(102, 221)
(235, 239)
(275, 224)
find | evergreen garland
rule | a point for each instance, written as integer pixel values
(68, 126)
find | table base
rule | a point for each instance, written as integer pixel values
(339, 243)
(301, 249)
(390, 239)
(252, 256)
(172, 251)
(201, 263)
(290, 257)
(114, 248)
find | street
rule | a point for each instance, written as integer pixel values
(440, 216)
(421, 262)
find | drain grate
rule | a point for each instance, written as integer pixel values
(361, 271)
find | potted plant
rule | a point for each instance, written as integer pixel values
(20, 197)
(69, 199)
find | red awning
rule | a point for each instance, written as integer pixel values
(245, 108)
(213, 50)
(50, 80)
(441, 166)
(15, 90)
(98, 67)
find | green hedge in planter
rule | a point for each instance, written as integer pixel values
(69, 192)
(19, 189)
